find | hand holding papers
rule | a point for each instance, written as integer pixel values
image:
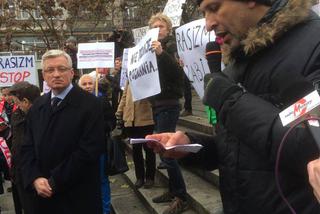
(194, 148)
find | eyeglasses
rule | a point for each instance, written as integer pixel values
(60, 69)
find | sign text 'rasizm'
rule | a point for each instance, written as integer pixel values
(191, 42)
(16, 69)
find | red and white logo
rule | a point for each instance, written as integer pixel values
(300, 107)
(308, 105)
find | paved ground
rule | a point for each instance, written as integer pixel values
(6, 202)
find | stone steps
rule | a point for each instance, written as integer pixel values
(124, 199)
(203, 194)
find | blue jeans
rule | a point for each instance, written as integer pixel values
(105, 187)
(165, 119)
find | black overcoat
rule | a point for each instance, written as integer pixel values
(64, 145)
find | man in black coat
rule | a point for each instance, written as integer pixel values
(273, 49)
(64, 140)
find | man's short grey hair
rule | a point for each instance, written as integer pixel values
(54, 54)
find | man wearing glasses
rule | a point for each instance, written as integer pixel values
(64, 140)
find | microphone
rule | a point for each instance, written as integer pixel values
(213, 56)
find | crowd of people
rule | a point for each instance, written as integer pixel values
(58, 141)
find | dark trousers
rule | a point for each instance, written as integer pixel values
(187, 94)
(166, 119)
(16, 199)
(25, 199)
(141, 172)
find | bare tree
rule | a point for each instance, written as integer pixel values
(52, 20)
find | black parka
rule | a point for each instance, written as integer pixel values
(249, 130)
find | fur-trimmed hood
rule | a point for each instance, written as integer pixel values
(261, 36)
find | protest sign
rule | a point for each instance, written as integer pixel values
(191, 44)
(143, 73)
(316, 8)
(139, 33)
(124, 69)
(96, 55)
(16, 69)
(174, 11)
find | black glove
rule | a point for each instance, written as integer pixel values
(219, 89)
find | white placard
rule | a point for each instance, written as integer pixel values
(174, 11)
(96, 55)
(139, 33)
(191, 44)
(316, 8)
(143, 73)
(15, 69)
(124, 69)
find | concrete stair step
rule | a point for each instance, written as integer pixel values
(123, 197)
(146, 195)
(203, 194)
(6, 203)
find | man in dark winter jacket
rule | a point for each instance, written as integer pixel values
(273, 47)
(165, 107)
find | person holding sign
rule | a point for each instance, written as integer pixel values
(165, 107)
(63, 143)
(270, 57)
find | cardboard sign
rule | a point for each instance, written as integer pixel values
(143, 73)
(15, 69)
(173, 10)
(96, 55)
(192, 39)
(316, 8)
(124, 69)
(139, 33)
